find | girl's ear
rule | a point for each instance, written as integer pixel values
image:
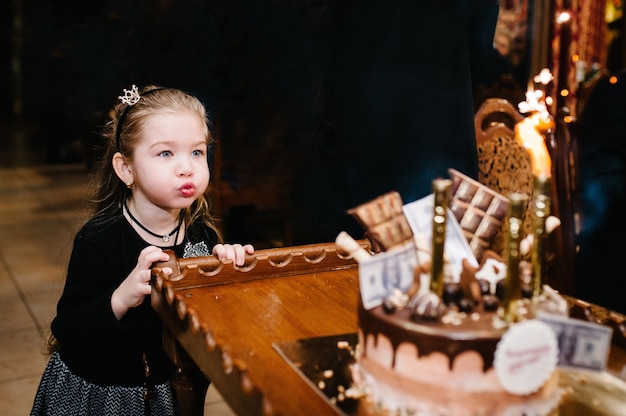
(123, 169)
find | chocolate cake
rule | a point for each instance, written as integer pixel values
(408, 367)
(452, 352)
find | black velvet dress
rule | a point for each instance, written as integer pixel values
(99, 365)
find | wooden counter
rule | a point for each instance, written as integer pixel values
(227, 318)
(223, 321)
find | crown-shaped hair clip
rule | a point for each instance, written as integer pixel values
(130, 97)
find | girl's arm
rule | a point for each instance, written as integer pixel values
(131, 292)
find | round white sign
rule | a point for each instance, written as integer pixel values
(526, 356)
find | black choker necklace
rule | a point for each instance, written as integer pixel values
(165, 237)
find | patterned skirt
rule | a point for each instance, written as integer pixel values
(63, 393)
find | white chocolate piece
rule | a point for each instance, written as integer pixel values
(526, 244)
(349, 244)
(492, 271)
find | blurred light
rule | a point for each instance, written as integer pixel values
(549, 100)
(564, 92)
(575, 58)
(568, 119)
(563, 17)
(544, 77)
(613, 79)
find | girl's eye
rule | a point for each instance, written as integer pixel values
(165, 153)
(198, 152)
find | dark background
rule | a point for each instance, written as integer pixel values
(260, 67)
(254, 58)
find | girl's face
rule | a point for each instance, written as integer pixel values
(169, 164)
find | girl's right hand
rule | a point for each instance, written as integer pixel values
(235, 252)
(131, 292)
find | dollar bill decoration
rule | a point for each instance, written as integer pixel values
(382, 274)
(582, 344)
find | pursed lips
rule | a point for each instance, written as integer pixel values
(187, 190)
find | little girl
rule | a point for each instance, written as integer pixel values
(107, 356)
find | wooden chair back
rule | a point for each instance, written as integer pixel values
(504, 165)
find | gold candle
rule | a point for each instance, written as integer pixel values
(540, 211)
(513, 287)
(441, 190)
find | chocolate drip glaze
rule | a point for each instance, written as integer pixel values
(479, 335)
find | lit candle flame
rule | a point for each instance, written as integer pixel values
(528, 133)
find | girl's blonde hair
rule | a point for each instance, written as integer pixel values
(121, 133)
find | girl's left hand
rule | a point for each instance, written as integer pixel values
(235, 252)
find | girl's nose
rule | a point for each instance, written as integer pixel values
(185, 167)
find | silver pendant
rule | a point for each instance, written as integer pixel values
(166, 238)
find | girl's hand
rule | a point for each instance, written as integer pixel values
(131, 292)
(235, 252)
